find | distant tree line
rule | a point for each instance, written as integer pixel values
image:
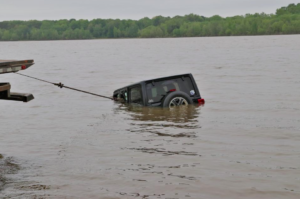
(285, 21)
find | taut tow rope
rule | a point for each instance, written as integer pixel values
(60, 85)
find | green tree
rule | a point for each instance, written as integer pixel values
(286, 21)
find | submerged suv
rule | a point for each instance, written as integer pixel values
(165, 92)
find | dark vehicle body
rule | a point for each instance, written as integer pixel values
(12, 66)
(161, 92)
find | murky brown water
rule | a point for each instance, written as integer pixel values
(244, 143)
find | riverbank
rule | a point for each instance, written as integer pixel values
(7, 166)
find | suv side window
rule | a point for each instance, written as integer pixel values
(136, 95)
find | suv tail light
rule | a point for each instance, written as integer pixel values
(201, 101)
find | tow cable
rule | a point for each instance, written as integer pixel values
(60, 85)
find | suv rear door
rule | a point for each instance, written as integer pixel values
(156, 90)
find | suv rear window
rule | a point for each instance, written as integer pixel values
(158, 89)
(136, 95)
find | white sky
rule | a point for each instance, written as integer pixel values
(131, 9)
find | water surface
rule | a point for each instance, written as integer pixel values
(244, 143)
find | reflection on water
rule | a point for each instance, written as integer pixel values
(185, 117)
(177, 122)
(182, 114)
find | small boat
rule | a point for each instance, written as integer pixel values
(12, 66)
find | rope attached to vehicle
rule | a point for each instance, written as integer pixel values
(60, 85)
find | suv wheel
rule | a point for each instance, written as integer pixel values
(176, 98)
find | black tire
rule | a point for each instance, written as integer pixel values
(177, 96)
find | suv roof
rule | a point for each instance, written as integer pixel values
(156, 79)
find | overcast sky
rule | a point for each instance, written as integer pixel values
(131, 9)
